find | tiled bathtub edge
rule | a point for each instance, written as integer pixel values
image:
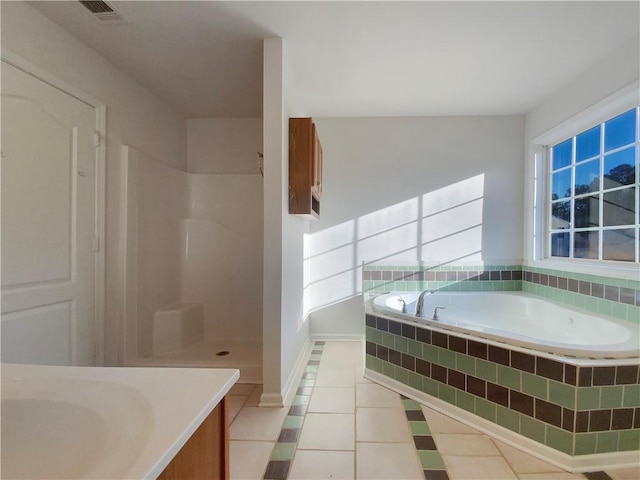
(582, 463)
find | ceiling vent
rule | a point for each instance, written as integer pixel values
(104, 13)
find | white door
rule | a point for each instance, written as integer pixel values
(48, 169)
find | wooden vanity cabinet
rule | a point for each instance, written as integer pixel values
(205, 456)
(305, 168)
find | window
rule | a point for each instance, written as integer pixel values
(593, 202)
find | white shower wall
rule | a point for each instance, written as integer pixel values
(191, 238)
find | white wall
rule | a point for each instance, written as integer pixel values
(411, 189)
(606, 77)
(224, 145)
(135, 117)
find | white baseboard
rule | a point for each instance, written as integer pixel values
(337, 337)
(271, 400)
(578, 463)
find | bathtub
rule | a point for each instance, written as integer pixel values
(519, 320)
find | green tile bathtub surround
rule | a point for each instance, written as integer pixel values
(559, 439)
(401, 344)
(373, 363)
(430, 387)
(402, 375)
(607, 442)
(292, 421)
(486, 370)
(508, 418)
(631, 396)
(611, 397)
(465, 364)
(447, 393)
(431, 460)
(373, 335)
(465, 401)
(534, 385)
(388, 369)
(509, 377)
(414, 348)
(629, 440)
(388, 340)
(430, 353)
(486, 409)
(532, 428)
(562, 394)
(415, 381)
(446, 358)
(585, 444)
(588, 398)
(604, 307)
(283, 451)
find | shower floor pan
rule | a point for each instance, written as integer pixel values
(245, 355)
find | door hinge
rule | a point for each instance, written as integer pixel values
(96, 244)
(96, 138)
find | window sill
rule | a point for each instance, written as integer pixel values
(630, 271)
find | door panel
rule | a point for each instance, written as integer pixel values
(48, 223)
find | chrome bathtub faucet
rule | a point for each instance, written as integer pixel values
(404, 304)
(435, 312)
(420, 302)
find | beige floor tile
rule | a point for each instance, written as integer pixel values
(465, 444)
(552, 476)
(322, 464)
(360, 378)
(235, 403)
(625, 473)
(242, 389)
(387, 461)
(332, 400)
(373, 395)
(255, 423)
(254, 398)
(241, 451)
(335, 377)
(523, 462)
(327, 431)
(382, 425)
(439, 423)
(478, 468)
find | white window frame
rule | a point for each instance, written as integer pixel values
(537, 252)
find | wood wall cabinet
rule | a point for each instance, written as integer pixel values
(305, 168)
(205, 456)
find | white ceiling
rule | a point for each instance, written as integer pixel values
(361, 58)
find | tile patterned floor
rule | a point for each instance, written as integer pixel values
(342, 426)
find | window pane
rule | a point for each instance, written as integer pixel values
(585, 245)
(619, 207)
(560, 215)
(561, 184)
(619, 245)
(560, 244)
(588, 144)
(620, 131)
(561, 154)
(620, 169)
(586, 212)
(587, 177)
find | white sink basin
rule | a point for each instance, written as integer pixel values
(81, 429)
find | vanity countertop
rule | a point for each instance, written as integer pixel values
(102, 422)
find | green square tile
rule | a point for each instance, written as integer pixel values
(604, 307)
(283, 451)
(588, 398)
(292, 421)
(373, 363)
(419, 428)
(415, 381)
(414, 348)
(465, 364)
(629, 440)
(465, 401)
(509, 377)
(607, 442)
(611, 397)
(409, 404)
(388, 340)
(373, 335)
(431, 460)
(486, 370)
(447, 393)
(619, 310)
(315, 356)
(301, 400)
(447, 358)
(388, 369)
(306, 382)
(631, 396)
(532, 428)
(559, 439)
(562, 394)
(585, 443)
(401, 344)
(508, 418)
(430, 353)
(486, 409)
(633, 314)
(402, 375)
(534, 385)
(430, 387)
